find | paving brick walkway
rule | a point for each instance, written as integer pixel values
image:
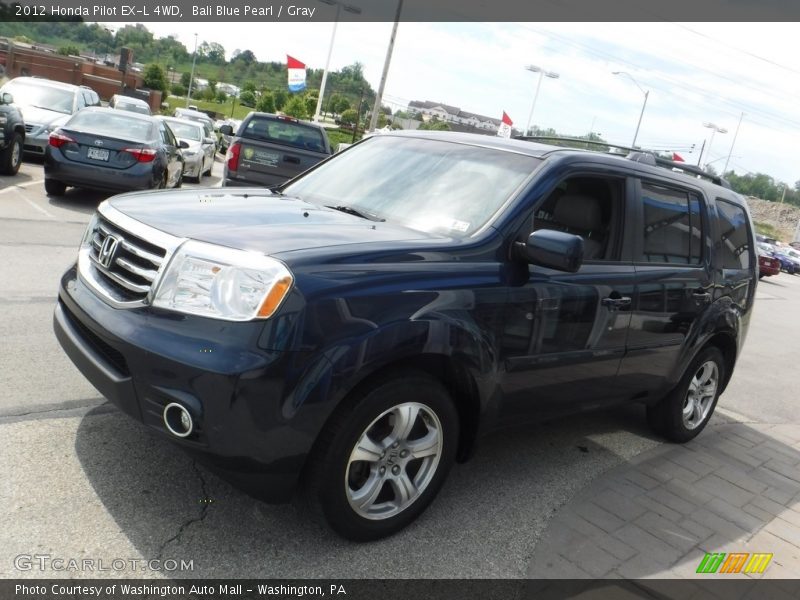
(735, 488)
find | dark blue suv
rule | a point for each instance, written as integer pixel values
(351, 334)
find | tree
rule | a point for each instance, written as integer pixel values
(266, 103)
(69, 50)
(247, 99)
(246, 56)
(249, 86)
(348, 117)
(311, 104)
(342, 105)
(280, 99)
(185, 79)
(211, 52)
(222, 97)
(178, 90)
(209, 95)
(295, 107)
(435, 125)
(155, 78)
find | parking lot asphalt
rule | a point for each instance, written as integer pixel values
(81, 480)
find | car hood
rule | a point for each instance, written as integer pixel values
(256, 220)
(34, 115)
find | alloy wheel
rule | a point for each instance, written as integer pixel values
(394, 460)
(700, 396)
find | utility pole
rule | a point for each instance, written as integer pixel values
(191, 77)
(733, 143)
(377, 107)
(358, 116)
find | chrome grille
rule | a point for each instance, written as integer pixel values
(128, 264)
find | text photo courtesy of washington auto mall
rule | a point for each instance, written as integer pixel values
(392, 298)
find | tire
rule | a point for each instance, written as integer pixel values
(11, 157)
(670, 418)
(394, 487)
(54, 187)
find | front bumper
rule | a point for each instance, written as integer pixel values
(36, 141)
(244, 400)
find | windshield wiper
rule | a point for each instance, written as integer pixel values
(358, 213)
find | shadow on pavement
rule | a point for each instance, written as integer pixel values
(490, 512)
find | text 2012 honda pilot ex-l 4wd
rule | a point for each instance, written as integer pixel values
(350, 334)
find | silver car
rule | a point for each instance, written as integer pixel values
(199, 156)
(45, 106)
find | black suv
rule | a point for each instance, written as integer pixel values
(12, 135)
(352, 333)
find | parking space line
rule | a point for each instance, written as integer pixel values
(39, 208)
(20, 185)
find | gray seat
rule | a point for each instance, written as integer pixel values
(582, 215)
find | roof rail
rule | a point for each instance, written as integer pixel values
(635, 154)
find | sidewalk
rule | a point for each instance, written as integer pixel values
(735, 488)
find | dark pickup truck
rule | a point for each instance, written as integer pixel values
(12, 135)
(270, 149)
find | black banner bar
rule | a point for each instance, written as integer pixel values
(301, 11)
(398, 589)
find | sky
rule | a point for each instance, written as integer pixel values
(695, 73)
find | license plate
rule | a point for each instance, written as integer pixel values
(97, 153)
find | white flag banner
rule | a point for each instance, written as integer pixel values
(505, 126)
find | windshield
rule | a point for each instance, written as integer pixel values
(28, 93)
(187, 131)
(428, 185)
(137, 108)
(112, 124)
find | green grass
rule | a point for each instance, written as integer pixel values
(767, 230)
(239, 112)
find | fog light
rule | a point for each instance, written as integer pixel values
(178, 420)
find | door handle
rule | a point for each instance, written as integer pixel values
(614, 303)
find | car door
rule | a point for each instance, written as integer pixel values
(565, 334)
(674, 281)
(173, 154)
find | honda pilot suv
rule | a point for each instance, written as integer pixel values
(349, 335)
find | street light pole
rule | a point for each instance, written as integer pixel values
(542, 75)
(714, 129)
(644, 104)
(352, 9)
(191, 77)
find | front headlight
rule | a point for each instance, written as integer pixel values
(223, 283)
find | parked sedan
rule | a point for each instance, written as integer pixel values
(789, 254)
(107, 149)
(767, 265)
(136, 105)
(199, 155)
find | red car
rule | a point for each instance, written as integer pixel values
(768, 265)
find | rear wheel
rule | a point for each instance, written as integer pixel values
(686, 410)
(383, 458)
(11, 157)
(54, 187)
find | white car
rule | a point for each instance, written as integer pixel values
(199, 156)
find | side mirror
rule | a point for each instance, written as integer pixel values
(553, 249)
(183, 144)
(7, 98)
(226, 130)
(209, 140)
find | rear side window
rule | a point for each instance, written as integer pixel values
(735, 245)
(672, 225)
(286, 133)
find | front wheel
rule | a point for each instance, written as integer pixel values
(11, 157)
(686, 410)
(383, 458)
